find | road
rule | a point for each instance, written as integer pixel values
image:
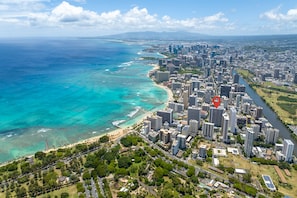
(101, 184)
(167, 154)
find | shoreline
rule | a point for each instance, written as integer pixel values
(113, 135)
(169, 92)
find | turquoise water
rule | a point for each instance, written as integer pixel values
(61, 91)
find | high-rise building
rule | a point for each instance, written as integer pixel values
(237, 100)
(176, 86)
(271, 135)
(246, 99)
(176, 107)
(195, 85)
(225, 90)
(259, 112)
(276, 73)
(239, 88)
(165, 136)
(207, 72)
(233, 119)
(256, 128)
(248, 143)
(167, 115)
(202, 151)
(260, 123)
(225, 126)
(225, 101)
(208, 95)
(181, 141)
(216, 115)
(185, 130)
(207, 130)
(236, 78)
(246, 108)
(194, 113)
(175, 147)
(186, 98)
(170, 48)
(156, 122)
(162, 76)
(193, 127)
(288, 150)
(193, 100)
(147, 126)
(219, 77)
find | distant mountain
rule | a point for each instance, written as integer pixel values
(159, 36)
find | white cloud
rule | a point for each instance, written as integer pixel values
(68, 13)
(276, 15)
(68, 16)
(219, 17)
(22, 5)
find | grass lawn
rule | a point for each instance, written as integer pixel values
(255, 169)
(70, 189)
(288, 115)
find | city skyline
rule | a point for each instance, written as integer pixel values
(95, 18)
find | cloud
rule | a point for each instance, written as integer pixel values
(69, 16)
(276, 15)
(22, 5)
(68, 13)
(219, 17)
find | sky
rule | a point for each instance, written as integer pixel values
(21, 18)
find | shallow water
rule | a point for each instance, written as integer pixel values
(59, 91)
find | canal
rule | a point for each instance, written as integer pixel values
(269, 114)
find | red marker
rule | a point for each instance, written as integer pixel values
(216, 101)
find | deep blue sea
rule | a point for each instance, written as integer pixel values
(61, 91)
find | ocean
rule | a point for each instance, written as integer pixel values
(55, 92)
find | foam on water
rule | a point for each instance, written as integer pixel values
(126, 64)
(133, 113)
(43, 130)
(117, 122)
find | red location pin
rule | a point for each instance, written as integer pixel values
(216, 101)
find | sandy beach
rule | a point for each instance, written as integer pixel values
(167, 89)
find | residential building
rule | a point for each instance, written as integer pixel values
(167, 115)
(248, 143)
(156, 122)
(288, 150)
(233, 120)
(194, 113)
(216, 116)
(225, 126)
(207, 130)
(162, 76)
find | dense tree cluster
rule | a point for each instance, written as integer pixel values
(130, 140)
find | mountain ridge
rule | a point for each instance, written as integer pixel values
(151, 35)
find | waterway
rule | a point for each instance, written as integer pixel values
(269, 114)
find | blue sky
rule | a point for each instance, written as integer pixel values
(103, 17)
